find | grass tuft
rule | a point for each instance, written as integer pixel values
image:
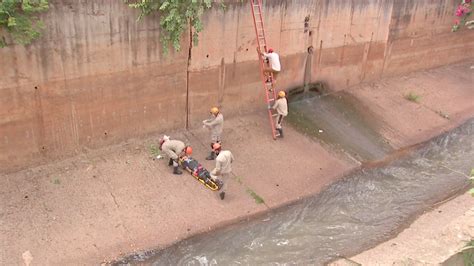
(413, 97)
(154, 151)
(255, 196)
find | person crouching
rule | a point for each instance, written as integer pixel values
(174, 149)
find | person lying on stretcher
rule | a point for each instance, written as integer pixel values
(200, 173)
(195, 168)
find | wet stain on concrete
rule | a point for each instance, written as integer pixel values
(339, 121)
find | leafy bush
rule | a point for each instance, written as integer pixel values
(18, 19)
(175, 17)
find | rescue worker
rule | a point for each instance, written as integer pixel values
(215, 125)
(174, 149)
(281, 106)
(223, 168)
(273, 67)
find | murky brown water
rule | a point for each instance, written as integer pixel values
(348, 217)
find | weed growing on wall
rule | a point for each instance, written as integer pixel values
(19, 21)
(175, 17)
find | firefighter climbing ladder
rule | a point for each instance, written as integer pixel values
(270, 94)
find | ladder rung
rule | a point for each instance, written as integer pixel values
(261, 45)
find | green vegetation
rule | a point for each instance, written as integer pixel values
(413, 97)
(258, 199)
(238, 179)
(175, 17)
(154, 151)
(19, 21)
(468, 254)
(56, 181)
(255, 196)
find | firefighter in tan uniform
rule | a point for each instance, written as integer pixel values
(215, 125)
(281, 106)
(174, 149)
(223, 168)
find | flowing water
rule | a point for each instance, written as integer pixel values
(349, 216)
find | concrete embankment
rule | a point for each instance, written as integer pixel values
(108, 203)
(434, 238)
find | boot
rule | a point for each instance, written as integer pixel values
(211, 156)
(176, 170)
(170, 162)
(222, 195)
(280, 132)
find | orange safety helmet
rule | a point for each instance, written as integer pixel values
(216, 146)
(188, 150)
(281, 94)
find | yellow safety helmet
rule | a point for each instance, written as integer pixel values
(281, 94)
(214, 110)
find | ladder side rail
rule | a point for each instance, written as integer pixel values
(262, 25)
(270, 112)
(265, 40)
(261, 60)
(261, 41)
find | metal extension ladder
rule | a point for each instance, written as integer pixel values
(270, 93)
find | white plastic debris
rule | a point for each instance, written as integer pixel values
(27, 257)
